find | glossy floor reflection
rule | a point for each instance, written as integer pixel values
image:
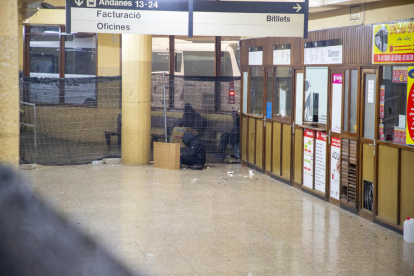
(219, 221)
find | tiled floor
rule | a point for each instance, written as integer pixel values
(220, 221)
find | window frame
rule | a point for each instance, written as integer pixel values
(358, 95)
(249, 92)
(62, 61)
(283, 119)
(317, 126)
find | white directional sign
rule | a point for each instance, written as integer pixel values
(162, 17)
(183, 17)
(230, 18)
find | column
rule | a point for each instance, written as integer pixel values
(9, 84)
(136, 99)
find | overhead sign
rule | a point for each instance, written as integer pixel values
(183, 17)
(393, 42)
(241, 18)
(323, 52)
(162, 17)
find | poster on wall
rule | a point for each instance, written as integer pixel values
(308, 140)
(256, 55)
(281, 54)
(393, 42)
(335, 167)
(409, 136)
(320, 162)
(323, 52)
(336, 102)
(399, 74)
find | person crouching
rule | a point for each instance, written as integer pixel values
(196, 156)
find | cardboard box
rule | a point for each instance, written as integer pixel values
(167, 156)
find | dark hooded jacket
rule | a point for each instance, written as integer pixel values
(196, 148)
(192, 119)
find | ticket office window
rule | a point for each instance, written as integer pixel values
(316, 95)
(393, 104)
(256, 91)
(350, 107)
(282, 93)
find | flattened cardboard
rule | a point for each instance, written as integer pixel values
(167, 156)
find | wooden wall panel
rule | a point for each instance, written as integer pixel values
(407, 185)
(277, 135)
(298, 169)
(259, 143)
(367, 163)
(268, 151)
(388, 183)
(286, 151)
(252, 140)
(244, 139)
(356, 41)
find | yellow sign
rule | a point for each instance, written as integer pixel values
(393, 43)
(410, 107)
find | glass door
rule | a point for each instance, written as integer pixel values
(282, 115)
(297, 139)
(368, 147)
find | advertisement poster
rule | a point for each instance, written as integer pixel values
(320, 162)
(409, 137)
(323, 52)
(335, 167)
(281, 57)
(336, 102)
(399, 74)
(393, 43)
(308, 158)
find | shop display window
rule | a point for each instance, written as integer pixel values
(316, 95)
(256, 91)
(393, 104)
(282, 92)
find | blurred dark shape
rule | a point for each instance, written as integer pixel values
(192, 119)
(36, 241)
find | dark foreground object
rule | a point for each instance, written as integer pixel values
(35, 241)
